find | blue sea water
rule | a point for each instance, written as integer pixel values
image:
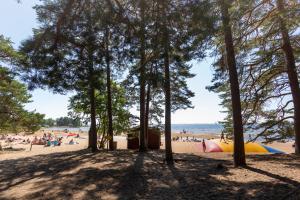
(197, 128)
(176, 128)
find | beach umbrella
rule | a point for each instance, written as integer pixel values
(250, 147)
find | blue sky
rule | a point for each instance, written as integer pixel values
(17, 21)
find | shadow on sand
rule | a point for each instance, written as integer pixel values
(131, 175)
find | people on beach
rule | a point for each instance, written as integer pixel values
(222, 136)
(71, 142)
(203, 146)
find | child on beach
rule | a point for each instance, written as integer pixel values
(222, 137)
(203, 146)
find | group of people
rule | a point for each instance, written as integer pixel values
(186, 139)
(47, 140)
(15, 138)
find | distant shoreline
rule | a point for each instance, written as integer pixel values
(197, 135)
(199, 128)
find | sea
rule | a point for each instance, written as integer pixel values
(176, 128)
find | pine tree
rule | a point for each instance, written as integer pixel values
(239, 150)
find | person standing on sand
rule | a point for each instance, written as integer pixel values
(222, 137)
(203, 146)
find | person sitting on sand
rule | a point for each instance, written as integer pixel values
(71, 141)
(59, 141)
(47, 143)
(203, 145)
(41, 142)
(35, 140)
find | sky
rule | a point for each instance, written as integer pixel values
(16, 23)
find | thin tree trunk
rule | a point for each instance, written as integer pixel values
(239, 149)
(147, 111)
(90, 142)
(292, 73)
(167, 88)
(142, 147)
(108, 84)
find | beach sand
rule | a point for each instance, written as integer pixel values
(73, 172)
(22, 150)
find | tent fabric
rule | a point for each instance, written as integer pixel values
(72, 134)
(250, 147)
(272, 150)
(211, 146)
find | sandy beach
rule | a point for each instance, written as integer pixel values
(23, 150)
(73, 172)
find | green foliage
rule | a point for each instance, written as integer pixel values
(7, 52)
(265, 93)
(31, 121)
(121, 116)
(67, 121)
(13, 97)
(49, 122)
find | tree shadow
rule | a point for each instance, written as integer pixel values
(127, 174)
(274, 176)
(290, 160)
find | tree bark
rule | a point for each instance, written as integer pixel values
(147, 112)
(239, 149)
(167, 87)
(90, 142)
(291, 71)
(108, 85)
(93, 129)
(142, 146)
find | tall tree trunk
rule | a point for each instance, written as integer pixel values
(90, 142)
(93, 129)
(167, 87)
(148, 99)
(108, 85)
(90, 65)
(239, 149)
(292, 73)
(142, 147)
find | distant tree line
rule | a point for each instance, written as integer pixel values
(63, 121)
